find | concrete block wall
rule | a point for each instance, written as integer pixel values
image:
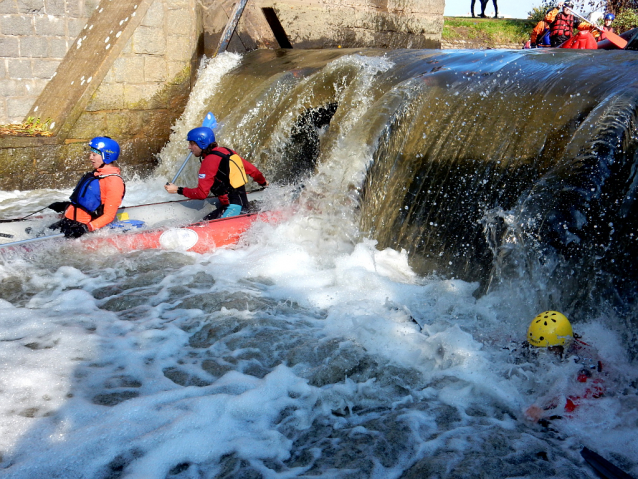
(34, 38)
(147, 87)
(131, 73)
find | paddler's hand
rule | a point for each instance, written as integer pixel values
(59, 206)
(73, 229)
(171, 188)
(534, 413)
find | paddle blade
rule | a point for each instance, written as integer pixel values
(210, 121)
(617, 40)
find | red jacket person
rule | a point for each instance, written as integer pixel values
(222, 172)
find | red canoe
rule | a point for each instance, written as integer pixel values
(200, 237)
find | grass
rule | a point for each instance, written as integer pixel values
(31, 127)
(487, 31)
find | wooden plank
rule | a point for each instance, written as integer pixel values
(231, 26)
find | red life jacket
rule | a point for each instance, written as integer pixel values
(562, 26)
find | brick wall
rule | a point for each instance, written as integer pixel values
(34, 37)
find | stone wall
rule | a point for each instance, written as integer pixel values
(34, 38)
(128, 76)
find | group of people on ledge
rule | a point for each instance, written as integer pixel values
(99, 193)
(556, 29)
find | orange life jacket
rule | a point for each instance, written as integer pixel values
(562, 26)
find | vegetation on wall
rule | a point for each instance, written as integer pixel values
(30, 127)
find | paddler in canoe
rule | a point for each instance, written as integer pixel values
(222, 172)
(97, 196)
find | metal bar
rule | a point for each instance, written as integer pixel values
(230, 26)
(32, 240)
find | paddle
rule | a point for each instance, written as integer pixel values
(602, 466)
(210, 122)
(612, 37)
(24, 217)
(32, 240)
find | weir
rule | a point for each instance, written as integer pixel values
(497, 166)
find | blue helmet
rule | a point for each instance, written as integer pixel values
(202, 136)
(610, 16)
(107, 147)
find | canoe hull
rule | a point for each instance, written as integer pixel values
(200, 237)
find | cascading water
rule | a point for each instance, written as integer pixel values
(435, 203)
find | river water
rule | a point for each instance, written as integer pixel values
(373, 332)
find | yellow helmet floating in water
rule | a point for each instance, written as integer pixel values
(550, 328)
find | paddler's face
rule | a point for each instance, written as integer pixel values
(195, 150)
(96, 159)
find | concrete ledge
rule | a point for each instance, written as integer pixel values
(472, 45)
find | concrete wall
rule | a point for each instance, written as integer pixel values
(34, 38)
(147, 86)
(329, 23)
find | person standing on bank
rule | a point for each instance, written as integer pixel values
(97, 196)
(222, 172)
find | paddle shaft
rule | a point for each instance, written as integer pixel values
(210, 122)
(179, 172)
(32, 240)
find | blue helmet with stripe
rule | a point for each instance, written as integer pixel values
(107, 147)
(202, 136)
(610, 16)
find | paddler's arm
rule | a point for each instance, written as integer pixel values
(254, 173)
(207, 173)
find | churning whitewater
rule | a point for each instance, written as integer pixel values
(311, 349)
